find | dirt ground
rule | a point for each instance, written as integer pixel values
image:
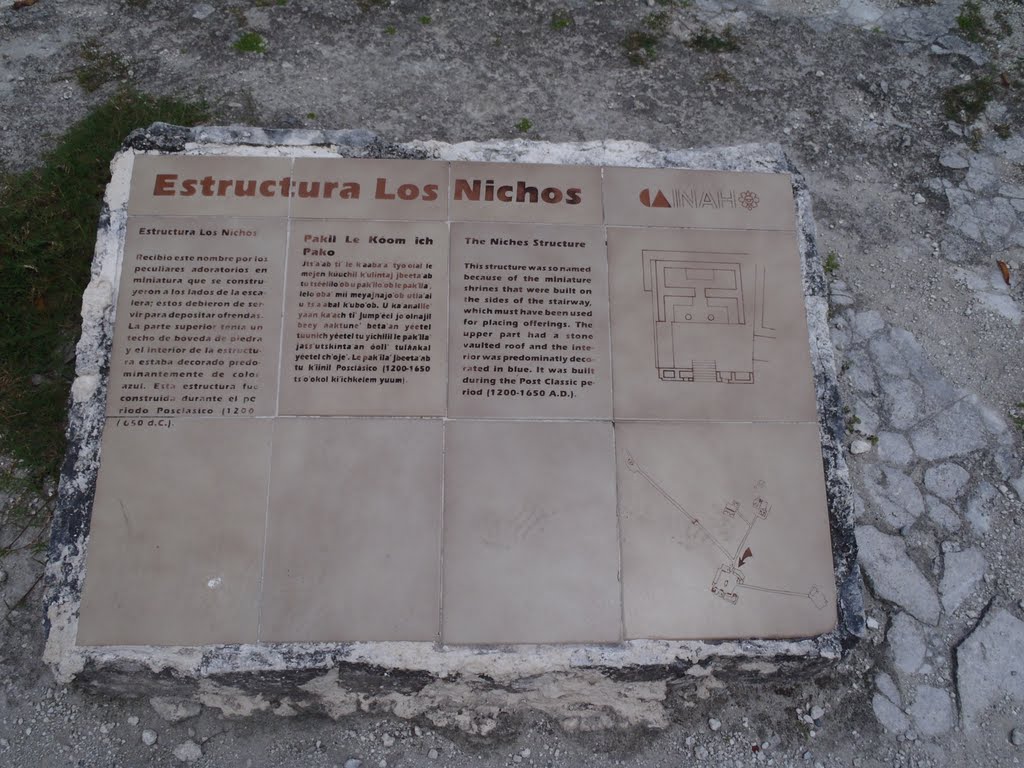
(905, 117)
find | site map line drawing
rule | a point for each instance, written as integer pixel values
(729, 577)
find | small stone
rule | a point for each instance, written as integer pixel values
(188, 751)
(525, 753)
(388, 740)
(174, 710)
(858, 447)
(383, 763)
(432, 754)
(3, 576)
(817, 713)
(872, 622)
(353, 763)
(918, 199)
(714, 724)
(1017, 737)
(201, 11)
(133, 721)
(819, 73)
(149, 737)
(952, 160)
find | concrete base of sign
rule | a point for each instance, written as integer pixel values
(585, 687)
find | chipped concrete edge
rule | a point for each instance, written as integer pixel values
(585, 687)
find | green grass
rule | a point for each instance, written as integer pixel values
(251, 42)
(48, 219)
(641, 47)
(658, 22)
(707, 41)
(424, 19)
(390, 29)
(524, 125)
(1017, 415)
(967, 101)
(971, 23)
(99, 67)
(831, 265)
(641, 44)
(561, 18)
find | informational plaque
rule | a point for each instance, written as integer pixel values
(569, 404)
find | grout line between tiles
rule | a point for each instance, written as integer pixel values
(446, 367)
(440, 571)
(277, 406)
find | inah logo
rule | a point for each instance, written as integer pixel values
(658, 201)
(698, 198)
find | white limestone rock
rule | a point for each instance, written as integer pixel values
(188, 751)
(907, 643)
(946, 480)
(894, 575)
(174, 710)
(963, 571)
(932, 711)
(990, 667)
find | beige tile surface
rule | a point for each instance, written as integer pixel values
(354, 539)
(198, 327)
(181, 185)
(177, 534)
(354, 188)
(365, 325)
(552, 194)
(708, 325)
(530, 539)
(696, 500)
(708, 199)
(529, 322)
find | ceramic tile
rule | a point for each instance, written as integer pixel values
(354, 188)
(544, 194)
(709, 325)
(365, 319)
(176, 541)
(707, 199)
(529, 322)
(198, 318)
(725, 531)
(354, 539)
(183, 185)
(530, 534)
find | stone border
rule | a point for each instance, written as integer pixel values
(468, 687)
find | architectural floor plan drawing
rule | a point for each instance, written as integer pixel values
(729, 580)
(708, 315)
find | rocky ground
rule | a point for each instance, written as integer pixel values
(905, 118)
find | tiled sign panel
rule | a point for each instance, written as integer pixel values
(468, 403)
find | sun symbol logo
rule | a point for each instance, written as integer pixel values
(749, 200)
